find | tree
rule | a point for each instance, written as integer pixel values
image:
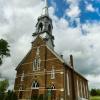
(10, 96)
(3, 87)
(4, 49)
(93, 92)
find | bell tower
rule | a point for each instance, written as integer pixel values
(44, 27)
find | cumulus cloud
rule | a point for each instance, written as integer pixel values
(73, 1)
(25, 3)
(94, 81)
(73, 11)
(90, 8)
(17, 24)
(84, 47)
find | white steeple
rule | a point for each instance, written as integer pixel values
(44, 26)
(46, 8)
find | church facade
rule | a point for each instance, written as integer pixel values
(43, 74)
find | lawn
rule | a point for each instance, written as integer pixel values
(95, 98)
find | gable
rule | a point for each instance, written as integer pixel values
(38, 41)
(51, 54)
(55, 54)
(28, 58)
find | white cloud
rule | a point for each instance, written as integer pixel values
(73, 11)
(73, 1)
(26, 3)
(85, 48)
(90, 8)
(18, 23)
(94, 81)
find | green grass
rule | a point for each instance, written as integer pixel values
(95, 98)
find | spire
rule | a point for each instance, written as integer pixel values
(46, 8)
(44, 26)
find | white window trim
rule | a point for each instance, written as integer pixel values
(20, 89)
(37, 60)
(68, 87)
(84, 90)
(53, 73)
(22, 77)
(38, 51)
(81, 89)
(39, 63)
(36, 64)
(35, 85)
(78, 88)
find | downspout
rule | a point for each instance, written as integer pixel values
(73, 78)
(65, 82)
(88, 91)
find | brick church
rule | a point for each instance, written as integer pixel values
(43, 74)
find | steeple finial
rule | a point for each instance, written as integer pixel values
(46, 8)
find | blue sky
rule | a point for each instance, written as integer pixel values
(85, 15)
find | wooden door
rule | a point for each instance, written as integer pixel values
(34, 94)
(53, 97)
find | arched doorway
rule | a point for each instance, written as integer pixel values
(51, 93)
(20, 94)
(35, 90)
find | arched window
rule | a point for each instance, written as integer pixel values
(40, 28)
(53, 92)
(49, 28)
(37, 60)
(35, 84)
(36, 64)
(52, 86)
(53, 73)
(22, 76)
(38, 51)
(21, 92)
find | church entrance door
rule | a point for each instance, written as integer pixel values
(35, 94)
(51, 95)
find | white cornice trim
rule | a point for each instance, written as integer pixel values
(41, 73)
(41, 60)
(41, 88)
(56, 54)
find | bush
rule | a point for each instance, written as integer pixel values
(10, 96)
(95, 92)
